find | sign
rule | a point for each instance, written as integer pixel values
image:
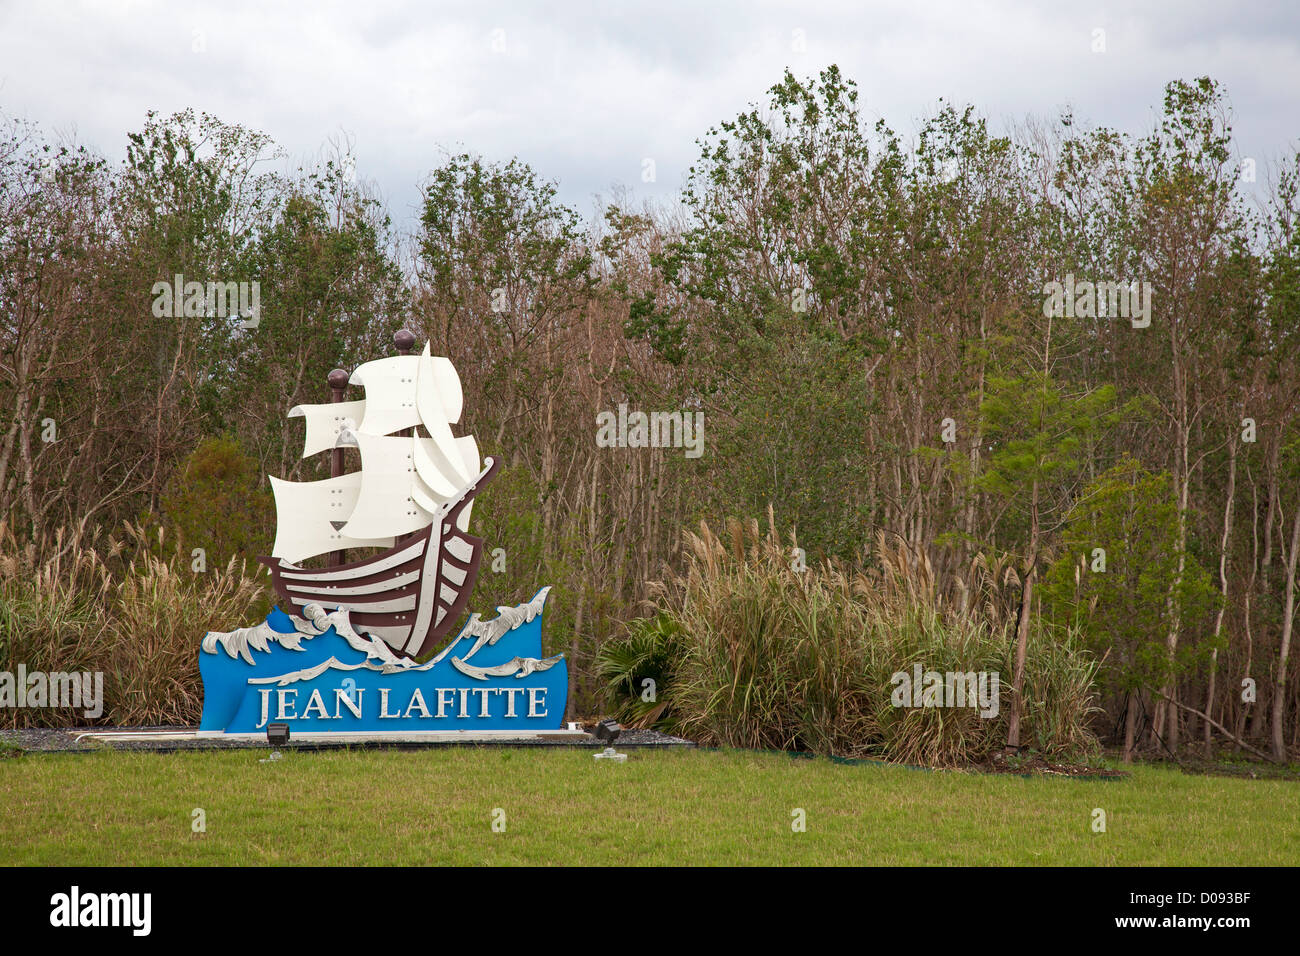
(341, 654)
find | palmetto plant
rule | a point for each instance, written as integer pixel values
(639, 668)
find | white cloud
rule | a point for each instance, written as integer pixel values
(584, 93)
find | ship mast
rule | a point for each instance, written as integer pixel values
(338, 380)
(404, 339)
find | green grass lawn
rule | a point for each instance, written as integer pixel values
(667, 807)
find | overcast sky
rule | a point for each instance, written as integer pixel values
(587, 92)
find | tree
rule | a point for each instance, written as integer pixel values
(1118, 566)
(214, 503)
(1186, 215)
(1037, 431)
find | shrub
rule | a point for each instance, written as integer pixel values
(767, 656)
(124, 611)
(214, 501)
(648, 651)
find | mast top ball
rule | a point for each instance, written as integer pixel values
(338, 378)
(404, 340)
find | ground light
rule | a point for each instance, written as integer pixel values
(607, 731)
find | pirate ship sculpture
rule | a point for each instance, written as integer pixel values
(411, 497)
(351, 627)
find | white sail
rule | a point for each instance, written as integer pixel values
(404, 480)
(445, 381)
(385, 504)
(390, 394)
(443, 468)
(304, 512)
(432, 494)
(325, 422)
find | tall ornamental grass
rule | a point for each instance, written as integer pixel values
(129, 608)
(771, 657)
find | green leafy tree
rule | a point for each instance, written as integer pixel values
(1121, 580)
(214, 503)
(792, 224)
(1038, 431)
(191, 201)
(332, 296)
(497, 249)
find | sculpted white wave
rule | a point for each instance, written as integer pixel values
(519, 666)
(240, 642)
(334, 664)
(489, 632)
(379, 657)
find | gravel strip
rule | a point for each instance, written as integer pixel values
(55, 739)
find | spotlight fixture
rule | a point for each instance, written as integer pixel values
(277, 735)
(607, 731)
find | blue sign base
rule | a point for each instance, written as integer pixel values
(490, 677)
